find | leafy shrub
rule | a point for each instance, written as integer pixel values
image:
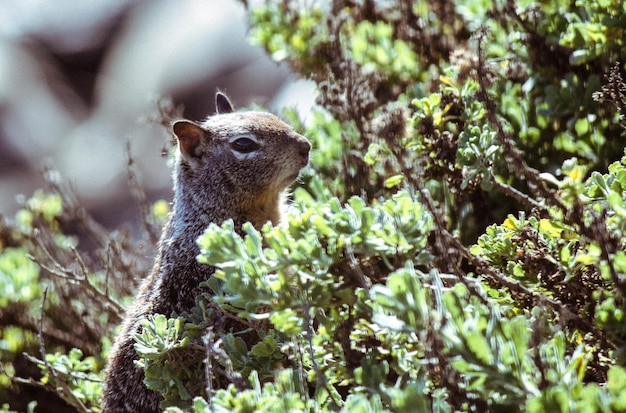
(456, 245)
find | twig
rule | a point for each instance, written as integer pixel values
(219, 354)
(356, 274)
(20, 380)
(501, 280)
(61, 271)
(230, 315)
(119, 309)
(65, 389)
(16, 315)
(140, 198)
(71, 374)
(321, 378)
(115, 255)
(518, 195)
(78, 214)
(300, 364)
(207, 339)
(444, 239)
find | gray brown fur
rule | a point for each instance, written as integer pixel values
(213, 182)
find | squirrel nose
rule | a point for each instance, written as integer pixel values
(304, 147)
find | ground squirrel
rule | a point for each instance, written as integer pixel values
(235, 165)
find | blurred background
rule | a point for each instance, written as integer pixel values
(80, 80)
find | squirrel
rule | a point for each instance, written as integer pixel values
(234, 165)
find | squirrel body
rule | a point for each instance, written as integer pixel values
(235, 165)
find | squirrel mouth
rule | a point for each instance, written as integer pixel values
(290, 179)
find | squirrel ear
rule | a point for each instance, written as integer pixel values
(189, 135)
(222, 104)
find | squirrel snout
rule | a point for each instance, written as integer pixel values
(304, 147)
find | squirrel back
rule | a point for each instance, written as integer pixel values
(234, 165)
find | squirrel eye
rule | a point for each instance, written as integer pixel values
(244, 145)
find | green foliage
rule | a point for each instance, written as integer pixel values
(300, 35)
(57, 314)
(5, 408)
(77, 373)
(18, 276)
(502, 356)
(291, 278)
(373, 47)
(157, 346)
(283, 395)
(456, 245)
(595, 31)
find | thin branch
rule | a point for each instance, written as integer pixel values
(220, 355)
(321, 378)
(444, 239)
(207, 339)
(65, 389)
(115, 256)
(70, 374)
(68, 274)
(79, 214)
(104, 296)
(20, 380)
(229, 315)
(16, 315)
(150, 227)
(518, 195)
(300, 364)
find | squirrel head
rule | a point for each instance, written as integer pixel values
(248, 156)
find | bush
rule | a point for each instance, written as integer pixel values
(456, 245)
